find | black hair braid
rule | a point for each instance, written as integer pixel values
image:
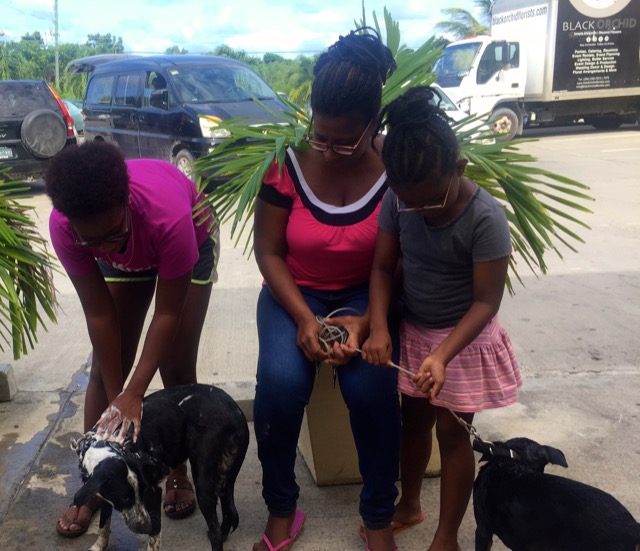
(349, 76)
(419, 139)
(88, 179)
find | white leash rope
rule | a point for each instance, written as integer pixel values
(330, 334)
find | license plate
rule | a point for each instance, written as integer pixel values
(6, 153)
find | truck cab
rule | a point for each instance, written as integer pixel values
(486, 76)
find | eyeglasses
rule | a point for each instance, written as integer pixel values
(426, 207)
(113, 238)
(339, 149)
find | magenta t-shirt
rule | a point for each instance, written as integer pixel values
(164, 234)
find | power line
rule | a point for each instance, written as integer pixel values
(22, 11)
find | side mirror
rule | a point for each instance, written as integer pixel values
(159, 99)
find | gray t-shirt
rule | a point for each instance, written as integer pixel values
(438, 261)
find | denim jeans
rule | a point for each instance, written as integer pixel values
(285, 380)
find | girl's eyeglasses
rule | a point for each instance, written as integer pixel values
(113, 238)
(339, 149)
(426, 207)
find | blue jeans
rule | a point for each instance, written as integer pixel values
(284, 383)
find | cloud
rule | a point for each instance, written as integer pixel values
(199, 26)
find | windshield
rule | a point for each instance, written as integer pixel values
(219, 83)
(456, 63)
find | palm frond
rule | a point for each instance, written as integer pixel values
(26, 282)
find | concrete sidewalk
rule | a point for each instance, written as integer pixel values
(583, 416)
(574, 331)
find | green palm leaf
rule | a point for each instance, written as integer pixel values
(26, 283)
(541, 206)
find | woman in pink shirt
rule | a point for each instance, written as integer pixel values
(314, 238)
(124, 231)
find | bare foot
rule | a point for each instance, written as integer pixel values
(407, 516)
(444, 544)
(402, 520)
(380, 540)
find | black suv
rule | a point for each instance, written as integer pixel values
(34, 125)
(169, 106)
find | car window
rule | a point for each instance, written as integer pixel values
(127, 90)
(219, 83)
(19, 99)
(100, 90)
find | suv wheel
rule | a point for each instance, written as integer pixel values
(43, 133)
(183, 161)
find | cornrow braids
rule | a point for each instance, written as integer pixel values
(419, 138)
(88, 179)
(349, 76)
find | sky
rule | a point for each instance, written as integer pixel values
(285, 27)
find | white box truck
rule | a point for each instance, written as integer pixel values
(549, 62)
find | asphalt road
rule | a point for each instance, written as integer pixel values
(574, 331)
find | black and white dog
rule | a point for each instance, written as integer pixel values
(197, 422)
(530, 510)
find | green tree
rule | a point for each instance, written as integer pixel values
(272, 58)
(541, 206)
(105, 43)
(175, 50)
(238, 55)
(26, 285)
(33, 37)
(460, 23)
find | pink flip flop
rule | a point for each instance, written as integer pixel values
(296, 526)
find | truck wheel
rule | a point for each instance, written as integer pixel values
(604, 123)
(183, 161)
(43, 133)
(504, 122)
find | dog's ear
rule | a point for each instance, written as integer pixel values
(484, 448)
(555, 456)
(90, 488)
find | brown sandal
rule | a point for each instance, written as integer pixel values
(178, 483)
(83, 522)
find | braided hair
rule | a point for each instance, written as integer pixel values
(419, 138)
(349, 76)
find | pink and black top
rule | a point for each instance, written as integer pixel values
(328, 247)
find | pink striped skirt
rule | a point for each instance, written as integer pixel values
(484, 375)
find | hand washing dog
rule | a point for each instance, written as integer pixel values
(532, 511)
(198, 422)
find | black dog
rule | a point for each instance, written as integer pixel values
(532, 511)
(201, 423)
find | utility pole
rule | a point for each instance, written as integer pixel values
(57, 48)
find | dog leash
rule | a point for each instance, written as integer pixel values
(330, 334)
